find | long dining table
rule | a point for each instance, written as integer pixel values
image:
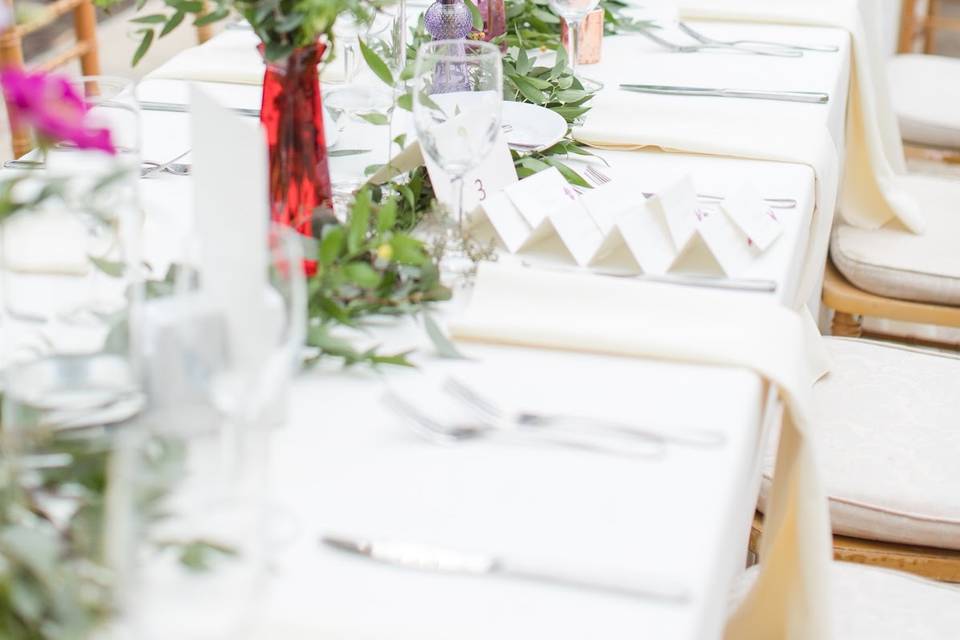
(346, 463)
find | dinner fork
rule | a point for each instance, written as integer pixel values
(702, 46)
(492, 411)
(599, 178)
(463, 432)
(700, 37)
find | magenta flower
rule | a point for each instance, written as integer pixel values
(50, 104)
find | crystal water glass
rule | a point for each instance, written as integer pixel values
(457, 104)
(574, 12)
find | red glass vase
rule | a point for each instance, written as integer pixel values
(292, 113)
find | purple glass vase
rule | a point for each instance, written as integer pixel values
(448, 20)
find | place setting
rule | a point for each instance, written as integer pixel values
(474, 318)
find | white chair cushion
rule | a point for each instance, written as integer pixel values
(887, 432)
(926, 98)
(868, 603)
(895, 263)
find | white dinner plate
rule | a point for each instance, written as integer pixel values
(532, 126)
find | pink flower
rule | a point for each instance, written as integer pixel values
(50, 104)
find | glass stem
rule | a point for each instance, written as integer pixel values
(574, 48)
(457, 183)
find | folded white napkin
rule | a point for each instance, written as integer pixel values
(232, 57)
(45, 242)
(513, 305)
(871, 194)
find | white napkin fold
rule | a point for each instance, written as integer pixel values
(47, 242)
(232, 57)
(512, 305)
(871, 195)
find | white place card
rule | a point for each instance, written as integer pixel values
(693, 228)
(551, 207)
(747, 209)
(232, 211)
(678, 205)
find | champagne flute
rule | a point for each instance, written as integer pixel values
(457, 102)
(574, 12)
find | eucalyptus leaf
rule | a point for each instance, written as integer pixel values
(378, 119)
(474, 15)
(145, 41)
(376, 64)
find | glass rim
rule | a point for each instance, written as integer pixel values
(486, 49)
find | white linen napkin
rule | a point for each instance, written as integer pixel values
(232, 57)
(512, 305)
(871, 195)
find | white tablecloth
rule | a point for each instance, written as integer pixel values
(343, 463)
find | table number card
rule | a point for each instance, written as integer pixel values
(495, 172)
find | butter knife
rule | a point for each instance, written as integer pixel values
(442, 560)
(176, 107)
(811, 97)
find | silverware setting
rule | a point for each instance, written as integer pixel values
(599, 178)
(147, 168)
(171, 166)
(640, 446)
(700, 37)
(759, 285)
(532, 419)
(423, 557)
(176, 107)
(519, 146)
(807, 97)
(716, 46)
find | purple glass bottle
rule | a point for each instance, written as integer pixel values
(448, 20)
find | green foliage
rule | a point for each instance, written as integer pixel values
(369, 266)
(282, 25)
(54, 584)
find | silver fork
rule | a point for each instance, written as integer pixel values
(696, 35)
(462, 432)
(703, 46)
(691, 437)
(599, 178)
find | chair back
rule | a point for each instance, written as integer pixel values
(84, 49)
(919, 22)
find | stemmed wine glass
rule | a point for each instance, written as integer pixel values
(457, 100)
(574, 12)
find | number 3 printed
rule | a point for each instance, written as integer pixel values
(478, 183)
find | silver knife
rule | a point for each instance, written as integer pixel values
(441, 560)
(811, 97)
(175, 107)
(683, 279)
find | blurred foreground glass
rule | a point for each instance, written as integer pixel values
(198, 553)
(457, 98)
(68, 258)
(72, 297)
